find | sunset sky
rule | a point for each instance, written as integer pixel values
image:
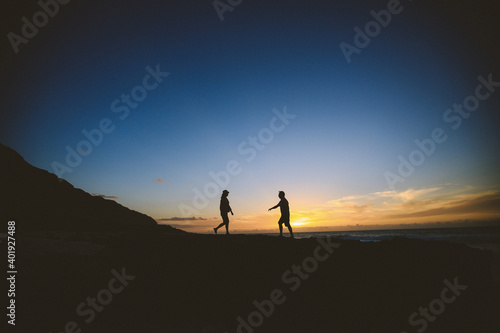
(263, 101)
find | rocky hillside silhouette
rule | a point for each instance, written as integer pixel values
(37, 200)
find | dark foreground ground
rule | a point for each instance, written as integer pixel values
(203, 283)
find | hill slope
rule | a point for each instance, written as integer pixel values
(37, 200)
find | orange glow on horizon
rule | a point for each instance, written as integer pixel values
(440, 204)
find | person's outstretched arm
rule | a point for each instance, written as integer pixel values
(274, 206)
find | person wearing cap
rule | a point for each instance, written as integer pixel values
(224, 209)
(285, 213)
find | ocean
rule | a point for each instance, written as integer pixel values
(486, 238)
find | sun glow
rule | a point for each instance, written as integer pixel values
(300, 222)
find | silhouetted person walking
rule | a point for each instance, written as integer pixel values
(285, 213)
(224, 209)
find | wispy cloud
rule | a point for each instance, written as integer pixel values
(482, 203)
(161, 180)
(105, 196)
(447, 202)
(407, 195)
(193, 223)
(187, 226)
(182, 219)
(341, 206)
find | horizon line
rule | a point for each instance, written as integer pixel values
(359, 227)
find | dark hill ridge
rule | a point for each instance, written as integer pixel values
(37, 200)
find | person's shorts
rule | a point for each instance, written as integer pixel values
(225, 218)
(285, 220)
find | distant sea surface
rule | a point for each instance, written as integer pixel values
(487, 238)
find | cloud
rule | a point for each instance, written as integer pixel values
(183, 219)
(104, 196)
(187, 226)
(387, 201)
(161, 180)
(354, 197)
(407, 195)
(361, 208)
(413, 204)
(488, 202)
(186, 222)
(440, 203)
(348, 205)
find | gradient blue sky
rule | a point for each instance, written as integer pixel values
(225, 78)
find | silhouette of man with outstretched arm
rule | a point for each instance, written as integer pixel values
(224, 209)
(285, 213)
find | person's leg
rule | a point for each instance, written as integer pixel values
(281, 228)
(225, 221)
(286, 220)
(217, 227)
